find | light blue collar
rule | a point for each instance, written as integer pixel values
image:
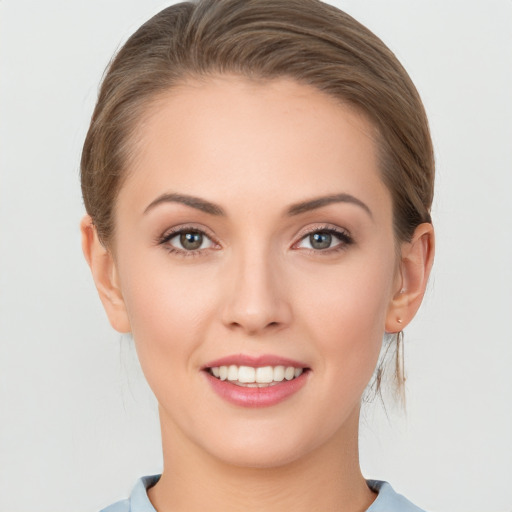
(387, 500)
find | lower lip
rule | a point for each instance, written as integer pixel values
(256, 397)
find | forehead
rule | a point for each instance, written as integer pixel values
(229, 137)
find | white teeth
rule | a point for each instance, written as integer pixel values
(279, 373)
(233, 372)
(257, 377)
(264, 374)
(246, 374)
(289, 372)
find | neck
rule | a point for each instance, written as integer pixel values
(329, 478)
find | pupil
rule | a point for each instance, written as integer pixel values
(191, 241)
(320, 240)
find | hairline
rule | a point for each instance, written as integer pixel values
(148, 105)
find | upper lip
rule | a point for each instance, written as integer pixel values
(254, 361)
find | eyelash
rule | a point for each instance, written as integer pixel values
(345, 240)
(169, 235)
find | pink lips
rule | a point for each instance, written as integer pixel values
(254, 396)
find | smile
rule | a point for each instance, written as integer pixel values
(249, 376)
(260, 381)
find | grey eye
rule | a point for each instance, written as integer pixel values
(320, 240)
(324, 239)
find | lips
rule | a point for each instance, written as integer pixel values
(261, 381)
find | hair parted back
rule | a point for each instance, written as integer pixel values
(305, 40)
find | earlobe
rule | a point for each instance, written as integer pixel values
(417, 257)
(104, 273)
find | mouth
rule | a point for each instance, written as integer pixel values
(256, 381)
(255, 377)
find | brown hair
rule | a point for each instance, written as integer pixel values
(305, 40)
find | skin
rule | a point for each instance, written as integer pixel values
(256, 149)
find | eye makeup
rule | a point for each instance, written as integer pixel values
(190, 240)
(321, 238)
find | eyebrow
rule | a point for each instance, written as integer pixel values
(295, 209)
(313, 204)
(193, 202)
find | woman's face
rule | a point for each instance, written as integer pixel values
(254, 231)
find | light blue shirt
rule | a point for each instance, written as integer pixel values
(387, 500)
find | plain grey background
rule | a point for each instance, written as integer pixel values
(77, 422)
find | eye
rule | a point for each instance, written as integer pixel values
(187, 240)
(325, 239)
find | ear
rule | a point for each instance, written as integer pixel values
(416, 261)
(104, 273)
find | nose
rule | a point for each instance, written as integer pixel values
(256, 299)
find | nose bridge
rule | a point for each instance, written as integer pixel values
(257, 296)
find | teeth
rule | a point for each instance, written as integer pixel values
(289, 373)
(279, 373)
(264, 374)
(246, 374)
(233, 372)
(256, 376)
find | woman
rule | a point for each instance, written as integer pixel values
(258, 177)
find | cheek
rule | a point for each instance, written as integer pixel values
(168, 308)
(344, 311)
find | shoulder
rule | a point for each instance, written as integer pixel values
(138, 500)
(388, 499)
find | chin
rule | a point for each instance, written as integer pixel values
(255, 457)
(264, 449)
